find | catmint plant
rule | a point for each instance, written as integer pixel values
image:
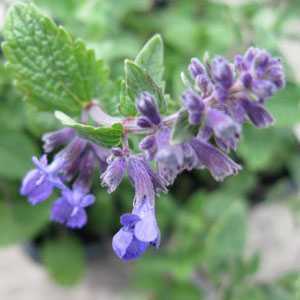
(219, 98)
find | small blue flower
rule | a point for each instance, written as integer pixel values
(36, 187)
(139, 231)
(69, 209)
(38, 184)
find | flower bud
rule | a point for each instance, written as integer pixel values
(196, 68)
(222, 72)
(144, 122)
(147, 107)
(148, 142)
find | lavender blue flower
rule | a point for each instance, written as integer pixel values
(74, 162)
(86, 170)
(170, 159)
(260, 72)
(114, 174)
(55, 139)
(70, 156)
(69, 209)
(139, 231)
(257, 114)
(222, 73)
(219, 165)
(101, 156)
(194, 104)
(141, 180)
(140, 228)
(36, 184)
(231, 94)
(226, 130)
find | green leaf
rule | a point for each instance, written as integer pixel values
(248, 292)
(16, 150)
(226, 238)
(166, 210)
(183, 130)
(53, 70)
(19, 221)
(105, 136)
(151, 59)
(265, 149)
(138, 81)
(144, 74)
(39, 122)
(284, 106)
(126, 107)
(104, 207)
(64, 260)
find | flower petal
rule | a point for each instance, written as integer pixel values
(146, 230)
(77, 220)
(121, 241)
(219, 164)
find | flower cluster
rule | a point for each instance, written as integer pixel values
(220, 97)
(72, 166)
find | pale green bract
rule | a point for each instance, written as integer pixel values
(145, 73)
(105, 136)
(183, 130)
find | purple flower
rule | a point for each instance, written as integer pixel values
(140, 228)
(139, 231)
(69, 209)
(147, 107)
(172, 159)
(226, 130)
(204, 83)
(196, 68)
(141, 180)
(144, 122)
(69, 157)
(222, 124)
(260, 72)
(55, 139)
(148, 144)
(101, 155)
(114, 173)
(36, 185)
(257, 114)
(86, 169)
(222, 73)
(194, 105)
(219, 165)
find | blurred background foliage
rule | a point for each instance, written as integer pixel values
(204, 224)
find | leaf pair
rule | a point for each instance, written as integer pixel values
(144, 74)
